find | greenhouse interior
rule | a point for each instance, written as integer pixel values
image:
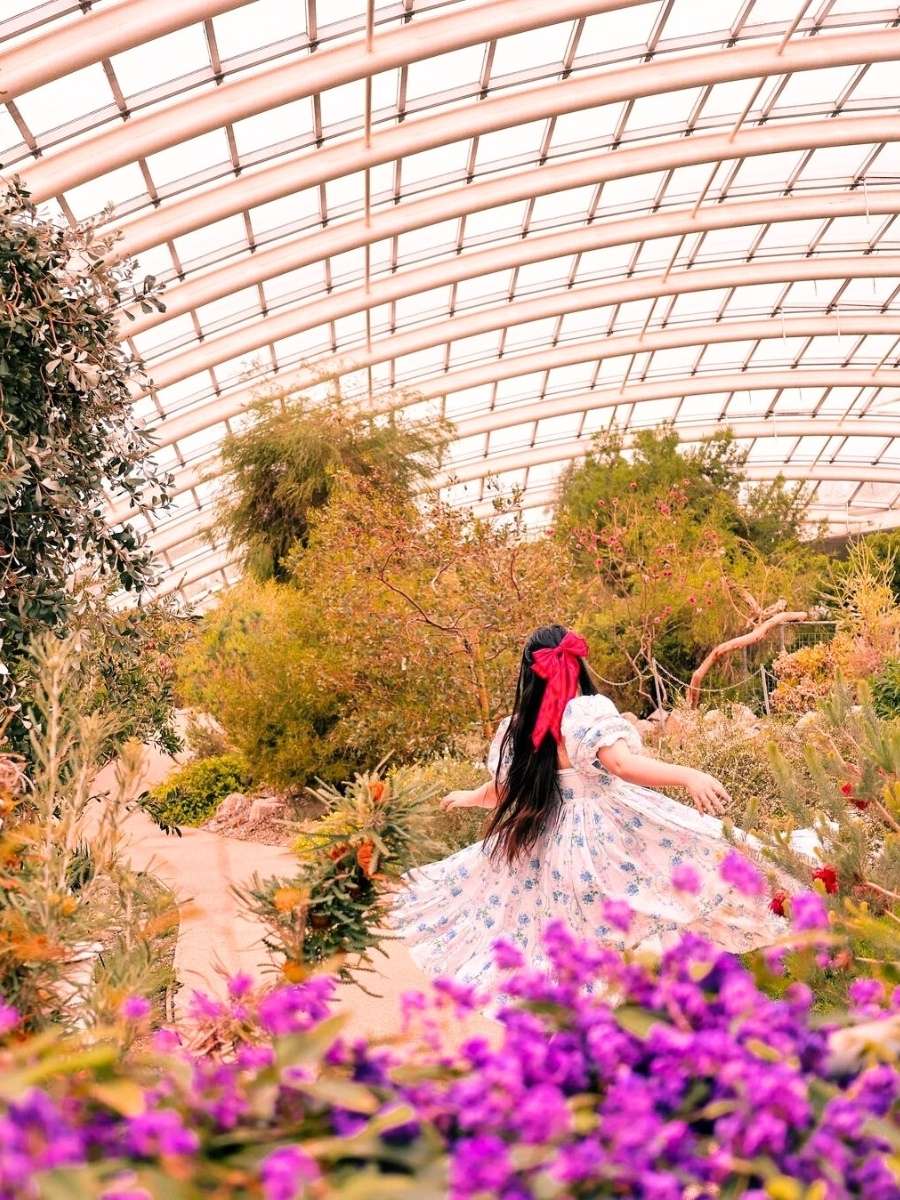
(449, 600)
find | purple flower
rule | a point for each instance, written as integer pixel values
(297, 1007)
(166, 1041)
(808, 911)
(9, 1018)
(618, 913)
(507, 957)
(741, 874)
(285, 1172)
(240, 985)
(205, 1008)
(160, 1132)
(686, 878)
(866, 995)
(479, 1164)
(135, 1008)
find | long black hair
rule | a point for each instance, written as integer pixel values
(528, 790)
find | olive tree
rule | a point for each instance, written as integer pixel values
(68, 436)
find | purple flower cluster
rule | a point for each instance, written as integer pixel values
(606, 1077)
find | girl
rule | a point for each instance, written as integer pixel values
(574, 829)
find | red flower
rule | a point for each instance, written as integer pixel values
(856, 801)
(777, 903)
(828, 877)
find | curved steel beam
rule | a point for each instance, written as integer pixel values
(507, 416)
(876, 518)
(560, 452)
(169, 536)
(224, 407)
(575, 93)
(566, 452)
(299, 77)
(206, 565)
(338, 239)
(98, 35)
(742, 428)
(323, 310)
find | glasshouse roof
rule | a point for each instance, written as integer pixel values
(535, 219)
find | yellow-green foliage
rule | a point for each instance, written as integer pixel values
(805, 677)
(319, 677)
(192, 794)
(449, 830)
(263, 667)
(739, 753)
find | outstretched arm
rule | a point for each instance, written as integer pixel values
(705, 790)
(482, 797)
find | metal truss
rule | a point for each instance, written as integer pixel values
(534, 221)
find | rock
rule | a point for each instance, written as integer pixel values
(809, 720)
(232, 806)
(714, 719)
(647, 728)
(743, 715)
(659, 716)
(265, 808)
(631, 719)
(675, 725)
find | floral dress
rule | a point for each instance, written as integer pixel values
(612, 841)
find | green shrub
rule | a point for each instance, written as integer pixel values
(449, 831)
(336, 904)
(738, 751)
(886, 690)
(191, 795)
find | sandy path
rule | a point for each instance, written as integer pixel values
(216, 938)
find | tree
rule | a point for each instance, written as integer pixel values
(459, 588)
(126, 665)
(284, 466)
(400, 631)
(68, 437)
(667, 544)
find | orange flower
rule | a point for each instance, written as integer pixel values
(364, 856)
(286, 899)
(337, 852)
(376, 790)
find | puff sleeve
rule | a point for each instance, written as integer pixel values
(589, 724)
(497, 768)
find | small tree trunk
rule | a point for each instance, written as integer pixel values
(778, 621)
(473, 648)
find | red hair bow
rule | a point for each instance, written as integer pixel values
(560, 666)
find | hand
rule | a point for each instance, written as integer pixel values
(707, 793)
(459, 799)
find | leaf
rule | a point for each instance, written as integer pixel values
(296, 1048)
(342, 1092)
(372, 1185)
(635, 1020)
(123, 1096)
(763, 1050)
